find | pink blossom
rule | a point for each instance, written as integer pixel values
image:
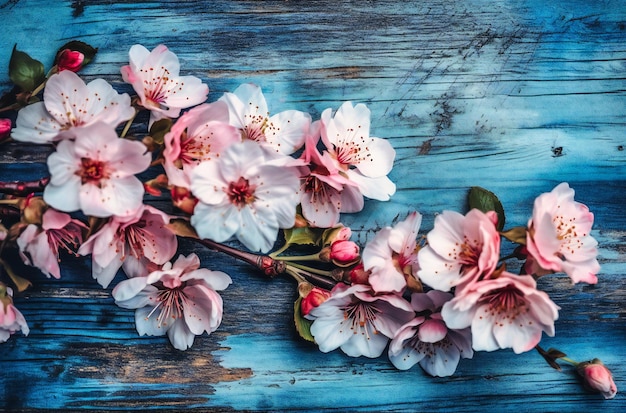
(391, 255)
(70, 60)
(559, 237)
(365, 160)
(427, 340)
(130, 241)
(200, 134)
(461, 249)
(39, 246)
(5, 128)
(358, 321)
(155, 77)
(597, 377)
(284, 132)
(11, 319)
(243, 194)
(313, 299)
(69, 103)
(322, 186)
(503, 312)
(95, 173)
(179, 300)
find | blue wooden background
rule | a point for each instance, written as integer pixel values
(512, 95)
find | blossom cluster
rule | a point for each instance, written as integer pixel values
(439, 300)
(232, 168)
(234, 171)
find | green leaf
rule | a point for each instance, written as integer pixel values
(303, 326)
(89, 52)
(159, 129)
(486, 201)
(24, 71)
(301, 236)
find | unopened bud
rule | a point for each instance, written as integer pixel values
(33, 208)
(183, 199)
(338, 233)
(344, 253)
(300, 222)
(5, 129)
(70, 60)
(597, 377)
(358, 275)
(313, 299)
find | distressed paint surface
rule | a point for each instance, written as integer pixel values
(514, 96)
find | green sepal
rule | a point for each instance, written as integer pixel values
(182, 228)
(159, 129)
(516, 235)
(20, 283)
(24, 71)
(486, 201)
(303, 326)
(89, 52)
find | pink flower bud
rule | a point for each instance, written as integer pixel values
(597, 378)
(183, 199)
(70, 60)
(5, 129)
(314, 298)
(358, 275)
(344, 252)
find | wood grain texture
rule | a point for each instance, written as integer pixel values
(515, 96)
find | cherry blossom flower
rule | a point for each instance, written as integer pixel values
(128, 242)
(322, 187)
(95, 173)
(243, 194)
(559, 238)
(284, 132)
(503, 312)
(460, 249)
(427, 340)
(597, 378)
(358, 321)
(11, 319)
(198, 135)
(365, 160)
(391, 256)
(69, 103)
(155, 77)
(39, 246)
(179, 300)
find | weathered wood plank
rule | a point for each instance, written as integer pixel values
(515, 96)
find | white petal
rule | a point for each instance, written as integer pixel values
(34, 124)
(180, 336)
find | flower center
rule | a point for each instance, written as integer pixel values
(92, 171)
(156, 87)
(505, 303)
(352, 149)
(66, 238)
(254, 131)
(170, 302)
(241, 193)
(359, 315)
(194, 149)
(568, 234)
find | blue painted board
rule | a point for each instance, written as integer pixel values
(515, 96)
